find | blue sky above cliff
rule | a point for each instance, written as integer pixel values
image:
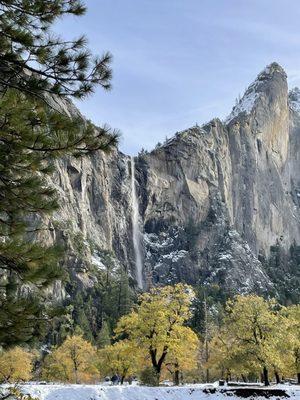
(181, 62)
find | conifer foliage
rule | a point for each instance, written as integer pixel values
(35, 68)
(35, 60)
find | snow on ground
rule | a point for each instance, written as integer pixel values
(101, 392)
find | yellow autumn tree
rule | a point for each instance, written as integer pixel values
(183, 354)
(73, 361)
(282, 346)
(220, 357)
(227, 358)
(121, 358)
(15, 365)
(292, 338)
(153, 325)
(253, 323)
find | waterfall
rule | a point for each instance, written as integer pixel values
(136, 233)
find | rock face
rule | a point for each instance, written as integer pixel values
(212, 199)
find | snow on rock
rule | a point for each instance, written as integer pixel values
(151, 239)
(174, 256)
(99, 392)
(225, 257)
(96, 260)
(245, 104)
(294, 99)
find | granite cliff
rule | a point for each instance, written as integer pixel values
(212, 200)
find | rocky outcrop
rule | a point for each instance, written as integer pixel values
(212, 199)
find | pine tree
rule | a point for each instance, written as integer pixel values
(104, 336)
(34, 60)
(34, 64)
(32, 137)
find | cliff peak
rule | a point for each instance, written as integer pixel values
(270, 81)
(270, 70)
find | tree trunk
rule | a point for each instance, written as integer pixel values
(206, 338)
(176, 375)
(227, 376)
(158, 364)
(207, 375)
(266, 376)
(298, 378)
(155, 365)
(277, 377)
(157, 370)
(76, 375)
(244, 378)
(122, 379)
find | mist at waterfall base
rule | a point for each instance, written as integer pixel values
(136, 233)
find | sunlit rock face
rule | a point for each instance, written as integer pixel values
(212, 199)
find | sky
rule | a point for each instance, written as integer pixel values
(181, 62)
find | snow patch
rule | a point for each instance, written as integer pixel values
(245, 104)
(294, 99)
(225, 257)
(96, 260)
(157, 243)
(100, 392)
(175, 256)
